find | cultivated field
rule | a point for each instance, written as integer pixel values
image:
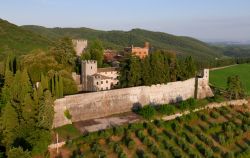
(222, 132)
(219, 77)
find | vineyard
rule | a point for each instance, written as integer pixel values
(222, 132)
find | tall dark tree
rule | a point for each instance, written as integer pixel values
(157, 65)
(96, 52)
(60, 80)
(64, 53)
(190, 68)
(134, 75)
(44, 82)
(146, 72)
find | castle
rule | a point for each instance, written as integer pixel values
(98, 79)
(93, 79)
(104, 103)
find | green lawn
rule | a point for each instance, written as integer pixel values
(219, 77)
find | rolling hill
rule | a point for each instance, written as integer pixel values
(14, 39)
(120, 39)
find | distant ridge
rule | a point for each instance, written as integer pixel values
(23, 39)
(120, 39)
(14, 39)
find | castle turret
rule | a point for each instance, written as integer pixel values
(89, 67)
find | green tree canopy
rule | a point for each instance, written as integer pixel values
(96, 52)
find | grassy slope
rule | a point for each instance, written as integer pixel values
(14, 39)
(219, 77)
(121, 39)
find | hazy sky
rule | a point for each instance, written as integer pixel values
(204, 19)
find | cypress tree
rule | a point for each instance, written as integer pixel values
(190, 67)
(146, 72)
(57, 93)
(134, 74)
(44, 82)
(60, 86)
(157, 65)
(9, 122)
(53, 85)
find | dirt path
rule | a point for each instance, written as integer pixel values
(209, 106)
(217, 68)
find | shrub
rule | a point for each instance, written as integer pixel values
(229, 154)
(159, 123)
(207, 152)
(130, 144)
(166, 109)
(204, 117)
(117, 148)
(214, 115)
(67, 114)
(175, 126)
(166, 144)
(183, 105)
(140, 134)
(118, 131)
(141, 154)
(135, 126)
(147, 112)
(176, 152)
(95, 147)
(152, 132)
(122, 155)
(154, 149)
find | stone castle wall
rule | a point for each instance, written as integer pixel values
(79, 46)
(100, 104)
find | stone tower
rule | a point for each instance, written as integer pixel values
(202, 88)
(89, 67)
(79, 46)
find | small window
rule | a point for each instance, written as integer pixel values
(97, 83)
(107, 88)
(102, 89)
(107, 81)
(91, 67)
(101, 82)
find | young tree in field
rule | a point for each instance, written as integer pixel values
(235, 88)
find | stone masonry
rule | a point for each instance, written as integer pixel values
(104, 103)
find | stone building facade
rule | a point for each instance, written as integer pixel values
(104, 103)
(79, 46)
(97, 79)
(139, 51)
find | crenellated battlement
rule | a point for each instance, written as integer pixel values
(89, 62)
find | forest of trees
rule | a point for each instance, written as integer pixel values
(26, 115)
(158, 68)
(29, 86)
